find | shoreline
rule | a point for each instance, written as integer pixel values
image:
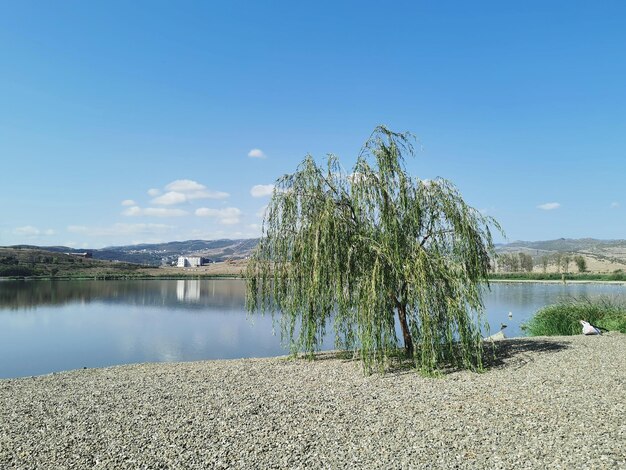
(553, 281)
(525, 411)
(165, 277)
(488, 342)
(214, 277)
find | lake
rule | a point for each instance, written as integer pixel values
(48, 326)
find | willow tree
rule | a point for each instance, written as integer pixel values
(370, 250)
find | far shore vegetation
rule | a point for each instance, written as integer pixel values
(41, 264)
(618, 276)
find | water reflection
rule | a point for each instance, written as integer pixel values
(50, 326)
(188, 290)
(192, 294)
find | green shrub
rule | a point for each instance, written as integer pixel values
(615, 276)
(11, 271)
(563, 319)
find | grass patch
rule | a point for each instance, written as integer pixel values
(616, 276)
(562, 319)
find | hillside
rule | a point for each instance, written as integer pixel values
(163, 253)
(599, 255)
(34, 261)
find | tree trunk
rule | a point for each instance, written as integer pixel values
(408, 341)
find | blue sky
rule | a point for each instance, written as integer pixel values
(128, 122)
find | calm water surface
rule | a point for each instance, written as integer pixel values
(48, 326)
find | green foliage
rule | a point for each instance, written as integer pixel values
(16, 271)
(581, 263)
(513, 263)
(9, 260)
(558, 261)
(615, 276)
(526, 262)
(365, 246)
(509, 262)
(565, 261)
(564, 318)
(34, 262)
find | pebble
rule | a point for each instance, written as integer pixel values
(543, 403)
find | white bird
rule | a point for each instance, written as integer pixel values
(499, 335)
(510, 314)
(589, 329)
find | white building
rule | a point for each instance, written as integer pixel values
(189, 261)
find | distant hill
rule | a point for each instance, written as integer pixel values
(600, 255)
(567, 245)
(27, 261)
(163, 253)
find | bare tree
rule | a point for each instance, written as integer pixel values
(558, 260)
(544, 263)
(565, 261)
(526, 262)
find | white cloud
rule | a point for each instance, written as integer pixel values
(28, 230)
(128, 202)
(136, 211)
(185, 186)
(615, 205)
(162, 212)
(120, 229)
(227, 216)
(31, 232)
(262, 190)
(549, 206)
(132, 211)
(207, 194)
(154, 192)
(261, 212)
(181, 191)
(170, 198)
(256, 153)
(75, 244)
(255, 230)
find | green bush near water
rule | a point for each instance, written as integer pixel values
(563, 319)
(16, 271)
(615, 276)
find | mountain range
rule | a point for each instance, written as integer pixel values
(605, 255)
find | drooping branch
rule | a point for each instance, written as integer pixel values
(358, 247)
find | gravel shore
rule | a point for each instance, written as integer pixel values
(544, 403)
